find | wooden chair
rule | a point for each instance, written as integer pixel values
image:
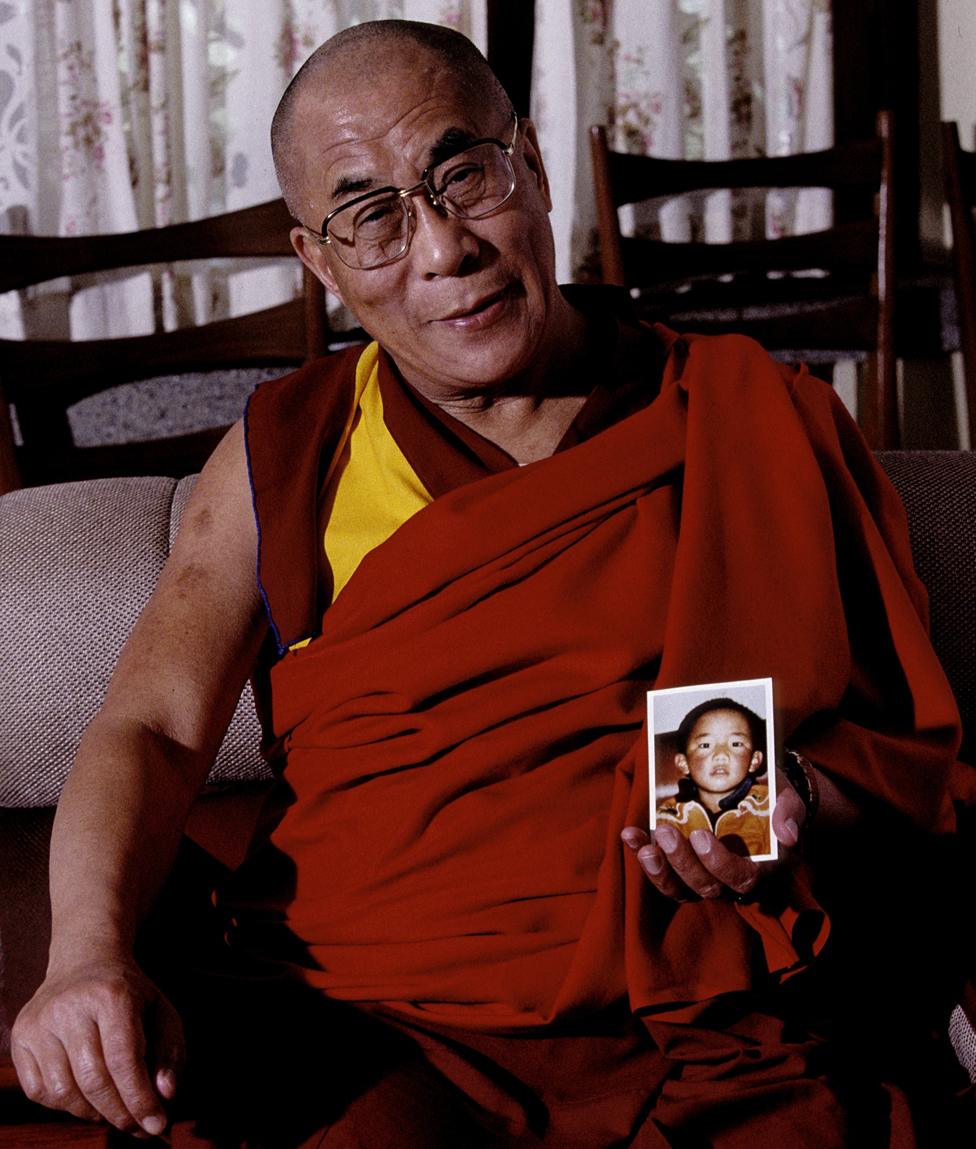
(959, 171)
(841, 303)
(42, 378)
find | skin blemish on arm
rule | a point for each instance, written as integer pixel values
(198, 521)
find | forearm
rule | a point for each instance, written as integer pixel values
(115, 835)
(98, 1038)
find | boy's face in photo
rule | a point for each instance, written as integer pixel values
(719, 755)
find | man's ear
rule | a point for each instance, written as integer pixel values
(756, 763)
(312, 254)
(532, 154)
(682, 763)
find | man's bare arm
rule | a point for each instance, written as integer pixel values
(98, 1039)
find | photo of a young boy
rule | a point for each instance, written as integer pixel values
(718, 759)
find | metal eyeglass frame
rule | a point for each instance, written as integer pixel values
(434, 197)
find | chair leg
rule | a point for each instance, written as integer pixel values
(969, 382)
(877, 404)
(10, 479)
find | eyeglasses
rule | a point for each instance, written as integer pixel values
(375, 229)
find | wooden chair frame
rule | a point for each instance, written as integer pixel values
(43, 377)
(959, 172)
(863, 168)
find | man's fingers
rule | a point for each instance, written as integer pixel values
(92, 1077)
(701, 867)
(96, 1080)
(789, 814)
(731, 871)
(28, 1071)
(657, 867)
(124, 1049)
(634, 837)
(691, 865)
(167, 1048)
(80, 1045)
(654, 863)
(48, 1079)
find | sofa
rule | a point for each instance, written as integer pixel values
(79, 560)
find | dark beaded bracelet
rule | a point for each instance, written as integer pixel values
(802, 777)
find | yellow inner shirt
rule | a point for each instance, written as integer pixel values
(372, 489)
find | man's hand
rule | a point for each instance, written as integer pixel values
(101, 1041)
(702, 867)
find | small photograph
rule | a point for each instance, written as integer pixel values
(710, 748)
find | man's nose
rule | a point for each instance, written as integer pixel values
(442, 244)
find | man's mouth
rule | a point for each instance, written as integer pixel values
(480, 310)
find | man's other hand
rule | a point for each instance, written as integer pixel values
(701, 867)
(101, 1042)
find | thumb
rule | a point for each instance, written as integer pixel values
(789, 813)
(166, 1052)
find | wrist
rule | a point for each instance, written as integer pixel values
(802, 776)
(73, 945)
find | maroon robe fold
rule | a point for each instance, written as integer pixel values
(464, 742)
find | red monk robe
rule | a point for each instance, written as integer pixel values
(462, 742)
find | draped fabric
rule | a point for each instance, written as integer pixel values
(681, 79)
(464, 740)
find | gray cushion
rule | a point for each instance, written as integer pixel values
(78, 562)
(165, 405)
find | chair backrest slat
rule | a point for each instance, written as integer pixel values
(41, 378)
(260, 231)
(854, 258)
(846, 248)
(849, 166)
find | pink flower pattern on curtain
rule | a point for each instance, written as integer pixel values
(137, 113)
(693, 79)
(128, 114)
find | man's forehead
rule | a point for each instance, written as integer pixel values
(354, 137)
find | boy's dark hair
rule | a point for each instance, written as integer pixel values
(757, 725)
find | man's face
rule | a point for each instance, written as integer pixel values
(471, 303)
(719, 754)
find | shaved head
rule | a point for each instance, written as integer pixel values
(362, 52)
(469, 304)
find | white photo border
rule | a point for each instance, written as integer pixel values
(708, 690)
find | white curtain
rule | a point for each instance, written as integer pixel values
(118, 115)
(693, 79)
(123, 114)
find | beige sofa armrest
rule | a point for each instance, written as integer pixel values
(77, 563)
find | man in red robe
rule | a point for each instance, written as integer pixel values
(479, 542)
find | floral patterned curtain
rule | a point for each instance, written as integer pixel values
(694, 79)
(124, 114)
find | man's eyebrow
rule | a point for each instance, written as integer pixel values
(352, 185)
(448, 144)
